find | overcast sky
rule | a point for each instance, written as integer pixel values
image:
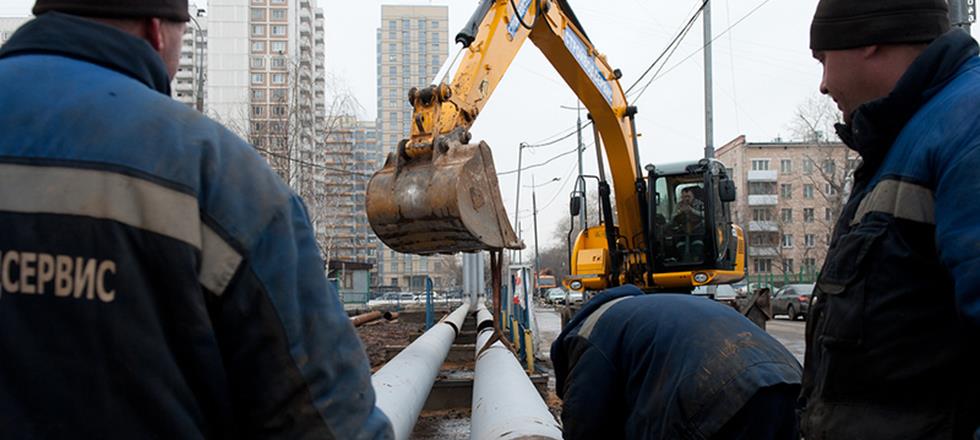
(762, 71)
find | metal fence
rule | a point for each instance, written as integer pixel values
(801, 277)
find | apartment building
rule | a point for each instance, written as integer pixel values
(412, 44)
(789, 197)
(352, 154)
(188, 85)
(265, 80)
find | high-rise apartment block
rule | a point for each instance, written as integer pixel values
(789, 197)
(188, 85)
(413, 43)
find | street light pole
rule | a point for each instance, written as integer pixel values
(199, 42)
(534, 213)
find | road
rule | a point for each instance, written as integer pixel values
(790, 334)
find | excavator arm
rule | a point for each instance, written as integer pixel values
(438, 194)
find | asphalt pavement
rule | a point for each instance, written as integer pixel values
(790, 334)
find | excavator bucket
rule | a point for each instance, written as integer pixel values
(443, 204)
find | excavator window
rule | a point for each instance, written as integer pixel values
(680, 223)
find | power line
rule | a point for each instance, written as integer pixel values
(309, 164)
(553, 142)
(539, 165)
(719, 35)
(671, 46)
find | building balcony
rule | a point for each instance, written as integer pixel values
(763, 200)
(763, 226)
(763, 251)
(763, 176)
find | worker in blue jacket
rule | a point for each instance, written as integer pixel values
(157, 279)
(669, 366)
(893, 340)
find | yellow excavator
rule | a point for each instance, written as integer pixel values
(438, 193)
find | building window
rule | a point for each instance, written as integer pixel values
(760, 164)
(257, 62)
(258, 30)
(258, 78)
(807, 166)
(258, 47)
(278, 14)
(279, 30)
(278, 47)
(278, 94)
(787, 240)
(809, 264)
(279, 78)
(786, 191)
(258, 110)
(829, 167)
(762, 188)
(761, 214)
(763, 265)
(788, 265)
(853, 164)
(828, 214)
(808, 191)
(279, 62)
(786, 215)
(258, 14)
(786, 166)
(807, 215)
(829, 189)
(279, 110)
(810, 240)
(258, 95)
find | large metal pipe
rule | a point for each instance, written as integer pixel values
(365, 318)
(403, 384)
(505, 403)
(391, 316)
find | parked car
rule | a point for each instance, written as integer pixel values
(391, 298)
(555, 295)
(723, 293)
(792, 300)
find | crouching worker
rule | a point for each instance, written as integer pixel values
(664, 366)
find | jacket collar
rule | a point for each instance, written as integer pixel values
(74, 37)
(876, 124)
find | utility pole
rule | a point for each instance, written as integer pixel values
(517, 203)
(709, 135)
(534, 212)
(581, 172)
(962, 13)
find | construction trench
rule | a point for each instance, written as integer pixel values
(449, 383)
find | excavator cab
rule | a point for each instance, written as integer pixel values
(690, 220)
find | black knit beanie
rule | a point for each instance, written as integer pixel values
(173, 10)
(846, 24)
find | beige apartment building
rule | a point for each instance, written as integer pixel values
(412, 44)
(789, 197)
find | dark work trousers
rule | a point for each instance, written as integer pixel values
(769, 415)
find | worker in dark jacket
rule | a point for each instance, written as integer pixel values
(666, 366)
(158, 279)
(893, 338)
